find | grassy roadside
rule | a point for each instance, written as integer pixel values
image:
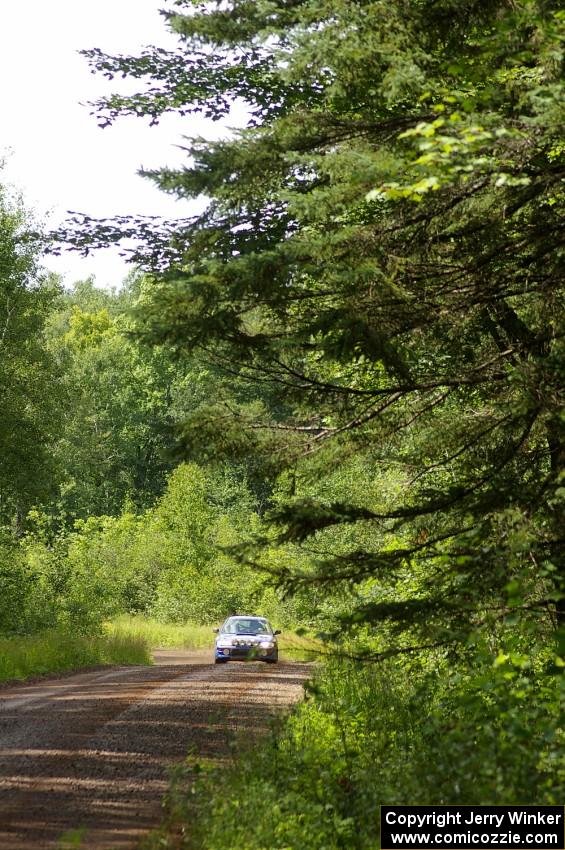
(160, 635)
(194, 636)
(58, 651)
(404, 732)
(125, 640)
(294, 792)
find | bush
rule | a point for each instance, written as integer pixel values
(32, 578)
(486, 731)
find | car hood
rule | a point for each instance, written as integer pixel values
(247, 638)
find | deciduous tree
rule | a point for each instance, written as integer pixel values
(29, 414)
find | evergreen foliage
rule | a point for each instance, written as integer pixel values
(358, 347)
(383, 245)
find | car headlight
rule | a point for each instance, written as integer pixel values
(267, 644)
(225, 643)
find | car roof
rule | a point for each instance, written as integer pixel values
(245, 617)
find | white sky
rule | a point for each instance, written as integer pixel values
(57, 156)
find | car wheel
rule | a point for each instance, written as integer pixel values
(271, 660)
(220, 660)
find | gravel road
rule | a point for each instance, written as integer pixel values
(91, 751)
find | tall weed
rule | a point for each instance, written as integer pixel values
(57, 651)
(157, 634)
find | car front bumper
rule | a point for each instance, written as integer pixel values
(246, 653)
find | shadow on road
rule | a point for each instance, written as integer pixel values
(93, 752)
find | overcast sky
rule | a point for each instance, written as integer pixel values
(56, 153)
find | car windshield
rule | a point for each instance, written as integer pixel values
(246, 626)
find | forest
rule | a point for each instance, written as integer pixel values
(334, 396)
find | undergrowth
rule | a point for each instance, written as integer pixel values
(419, 732)
(58, 651)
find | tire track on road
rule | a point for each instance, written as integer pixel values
(93, 751)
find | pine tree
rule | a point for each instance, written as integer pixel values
(383, 246)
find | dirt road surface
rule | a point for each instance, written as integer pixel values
(91, 751)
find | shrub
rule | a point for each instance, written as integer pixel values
(480, 730)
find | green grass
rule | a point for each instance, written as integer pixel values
(194, 636)
(161, 635)
(56, 652)
(300, 647)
